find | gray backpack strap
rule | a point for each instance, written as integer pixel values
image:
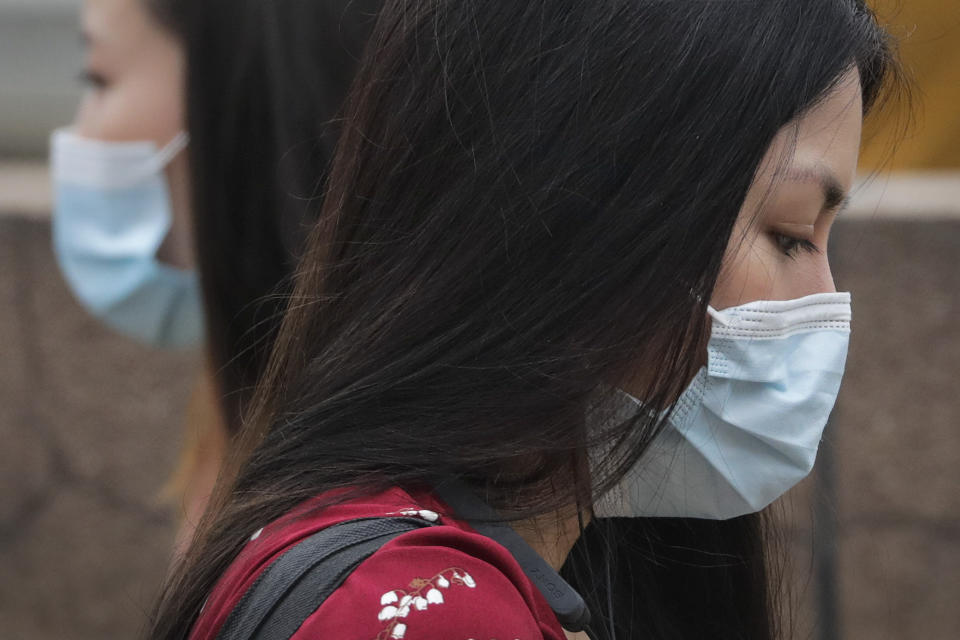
(298, 582)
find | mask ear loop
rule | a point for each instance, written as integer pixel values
(717, 316)
(172, 149)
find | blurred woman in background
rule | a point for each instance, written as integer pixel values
(572, 261)
(181, 195)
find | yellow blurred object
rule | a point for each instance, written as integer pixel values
(201, 455)
(929, 33)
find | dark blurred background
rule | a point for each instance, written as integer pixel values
(90, 423)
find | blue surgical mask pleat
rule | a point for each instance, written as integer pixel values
(112, 212)
(748, 427)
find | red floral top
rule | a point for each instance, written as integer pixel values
(437, 583)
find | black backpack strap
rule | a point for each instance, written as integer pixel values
(298, 582)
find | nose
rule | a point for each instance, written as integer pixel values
(825, 282)
(816, 277)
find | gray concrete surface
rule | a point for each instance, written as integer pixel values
(40, 63)
(90, 425)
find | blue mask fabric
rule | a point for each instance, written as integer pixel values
(747, 428)
(112, 212)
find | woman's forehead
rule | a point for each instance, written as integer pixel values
(115, 26)
(821, 146)
(828, 135)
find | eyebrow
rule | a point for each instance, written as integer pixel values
(834, 195)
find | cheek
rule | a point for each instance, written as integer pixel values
(749, 273)
(159, 99)
(145, 104)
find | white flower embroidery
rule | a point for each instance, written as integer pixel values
(416, 512)
(404, 609)
(387, 613)
(397, 604)
(465, 579)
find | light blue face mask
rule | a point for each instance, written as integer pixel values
(747, 428)
(112, 212)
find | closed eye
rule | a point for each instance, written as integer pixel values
(792, 247)
(92, 79)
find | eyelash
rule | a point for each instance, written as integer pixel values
(790, 246)
(93, 79)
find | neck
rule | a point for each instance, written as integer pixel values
(553, 535)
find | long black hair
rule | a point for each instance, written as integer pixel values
(530, 201)
(265, 81)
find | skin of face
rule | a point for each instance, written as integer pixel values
(778, 247)
(134, 70)
(799, 188)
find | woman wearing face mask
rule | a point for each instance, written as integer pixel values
(571, 266)
(146, 213)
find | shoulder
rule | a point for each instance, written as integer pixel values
(431, 584)
(439, 582)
